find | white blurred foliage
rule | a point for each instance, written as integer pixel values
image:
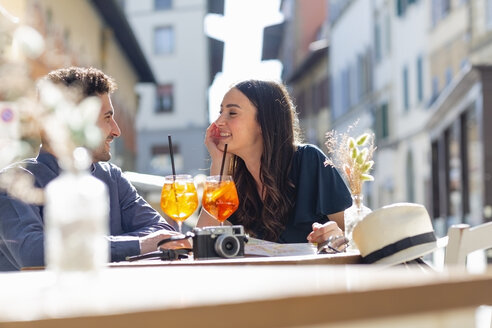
(68, 125)
(29, 111)
(28, 41)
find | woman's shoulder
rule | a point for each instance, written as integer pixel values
(309, 151)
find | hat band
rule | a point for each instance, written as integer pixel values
(398, 246)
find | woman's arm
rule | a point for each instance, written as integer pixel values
(339, 218)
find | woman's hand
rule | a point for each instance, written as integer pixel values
(321, 232)
(212, 141)
(215, 149)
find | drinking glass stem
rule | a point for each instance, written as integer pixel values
(179, 226)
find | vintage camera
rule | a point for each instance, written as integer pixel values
(219, 242)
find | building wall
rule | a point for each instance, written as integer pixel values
(348, 105)
(314, 119)
(76, 35)
(186, 68)
(410, 43)
(449, 46)
(435, 151)
(481, 32)
(312, 14)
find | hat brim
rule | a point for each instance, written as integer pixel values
(408, 254)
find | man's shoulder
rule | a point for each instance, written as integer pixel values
(25, 165)
(108, 167)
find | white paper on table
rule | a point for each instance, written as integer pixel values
(267, 248)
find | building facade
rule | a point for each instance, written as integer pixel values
(91, 33)
(417, 73)
(301, 44)
(184, 61)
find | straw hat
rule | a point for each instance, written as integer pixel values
(395, 234)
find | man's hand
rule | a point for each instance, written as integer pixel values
(149, 243)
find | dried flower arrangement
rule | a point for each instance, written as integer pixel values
(352, 157)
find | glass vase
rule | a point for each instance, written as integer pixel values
(353, 215)
(76, 222)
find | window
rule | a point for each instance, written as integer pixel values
(454, 151)
(163, 4)
(161, 158)
(449, 75)
(359, 79)
(440, 9)
(164, 98)
(436, 164)
(406, 100)
(401, 7)
(435, 88)
(163, 40)
(456, 175)
(377, 42)
(323, 93)
(420, 80)
(345, 91)
(488, 14)
(382, 128)
(410, 177)
(472, 181)
(387, 28)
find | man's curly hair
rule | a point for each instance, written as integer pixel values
(90, 81)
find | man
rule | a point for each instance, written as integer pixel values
(135, 227)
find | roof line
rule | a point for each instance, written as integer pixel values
(114, 17)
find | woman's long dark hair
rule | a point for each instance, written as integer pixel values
(280, 131)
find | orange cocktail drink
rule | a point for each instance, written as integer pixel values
(220, 197)
(178, 197)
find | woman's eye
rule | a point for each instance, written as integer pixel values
(232, 113)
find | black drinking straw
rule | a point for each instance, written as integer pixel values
(174, 175)
(172, 155)
(222, 164)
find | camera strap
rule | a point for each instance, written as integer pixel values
(164, 255)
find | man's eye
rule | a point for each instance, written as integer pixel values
(232, 113)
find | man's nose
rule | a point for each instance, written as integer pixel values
(115, 129)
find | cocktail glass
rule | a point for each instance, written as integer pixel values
(220, 197)
(179, 197)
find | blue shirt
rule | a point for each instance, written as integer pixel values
(22, 225)
(319, 191)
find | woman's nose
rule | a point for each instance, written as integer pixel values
(219, 121)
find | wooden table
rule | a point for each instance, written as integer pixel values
(241, 296)
(352, 257)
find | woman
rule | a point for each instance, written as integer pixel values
(286, 192)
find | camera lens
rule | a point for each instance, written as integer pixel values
(227, 246)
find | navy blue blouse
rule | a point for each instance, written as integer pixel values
(320, 191)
